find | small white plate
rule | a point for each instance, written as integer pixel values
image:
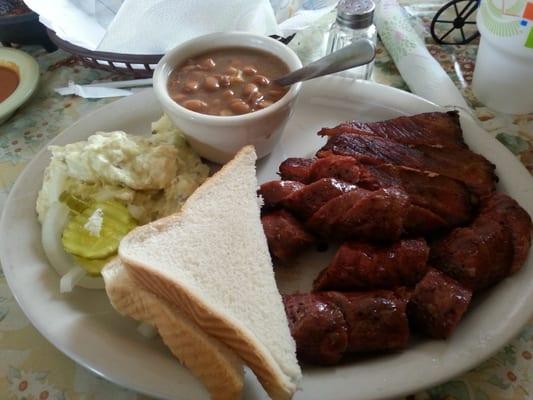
(85, 327)
(28, 72)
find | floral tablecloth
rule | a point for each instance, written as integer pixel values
(31, 368)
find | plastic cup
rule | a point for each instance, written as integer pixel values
(503, 78)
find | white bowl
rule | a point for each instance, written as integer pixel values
(218, 138)
(28, 72)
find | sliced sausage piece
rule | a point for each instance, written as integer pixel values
(444, 202)
(366, 266)
(296, 169)
(377, 320)
(478, 256)
(438, 304)
(493, 247)
(286, 236)
(362, 214)
(422, 221)
(306, 201)
(328, 325)
(318, 328)
(274, 192)
(344, 168)
(507, 211)
(404, 293)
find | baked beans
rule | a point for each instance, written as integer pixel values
(228, 81)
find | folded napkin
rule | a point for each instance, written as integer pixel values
(69, 21)
(155, 26)
(422, 73)
(151, 26)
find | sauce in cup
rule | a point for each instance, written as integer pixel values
(9, 81)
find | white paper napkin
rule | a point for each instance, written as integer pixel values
(422, 73)
(151, 26)
(69, 21)
(155, 26)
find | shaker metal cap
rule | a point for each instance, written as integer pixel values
(355, 14)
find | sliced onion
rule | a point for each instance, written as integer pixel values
(147, 330)
(71, 279)
(53, 225)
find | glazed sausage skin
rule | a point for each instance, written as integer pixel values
(437, 304)
(372, 215)
(493, 247)
(286, 236)
(318, 328)
(327, 326)
(364, 266)
(274, 192)
(309, 199)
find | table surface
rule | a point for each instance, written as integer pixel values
(31, 368)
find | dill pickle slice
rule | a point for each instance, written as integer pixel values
(93, 267)
(74, 203)
(116, 223)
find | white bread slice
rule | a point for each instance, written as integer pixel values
(212, 362)
(212, 260)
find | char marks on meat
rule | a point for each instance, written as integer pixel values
(433, 129)
(377, 320)
(318, 328)
(346, 169)
(365, 266)
(328, 325)
(373, 215)
(274, 192)
(286, 236)
(306, 201)
(493, 247)
(437, 202)
(461, 164)
(504, 209)
(296, 169)
(447, 198)
(380, 188)
(438, 304)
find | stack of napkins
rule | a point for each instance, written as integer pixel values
(150, 27)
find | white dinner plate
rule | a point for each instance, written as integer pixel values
(85, 327)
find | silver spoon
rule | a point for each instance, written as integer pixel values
(358, 53)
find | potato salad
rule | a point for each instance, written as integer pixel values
(95, 191)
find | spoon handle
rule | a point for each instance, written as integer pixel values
(358, 53)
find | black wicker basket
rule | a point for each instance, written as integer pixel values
(137, 65)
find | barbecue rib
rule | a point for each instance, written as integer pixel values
(433, 129)
(458, 163)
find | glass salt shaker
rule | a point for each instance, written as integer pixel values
(354, 21)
